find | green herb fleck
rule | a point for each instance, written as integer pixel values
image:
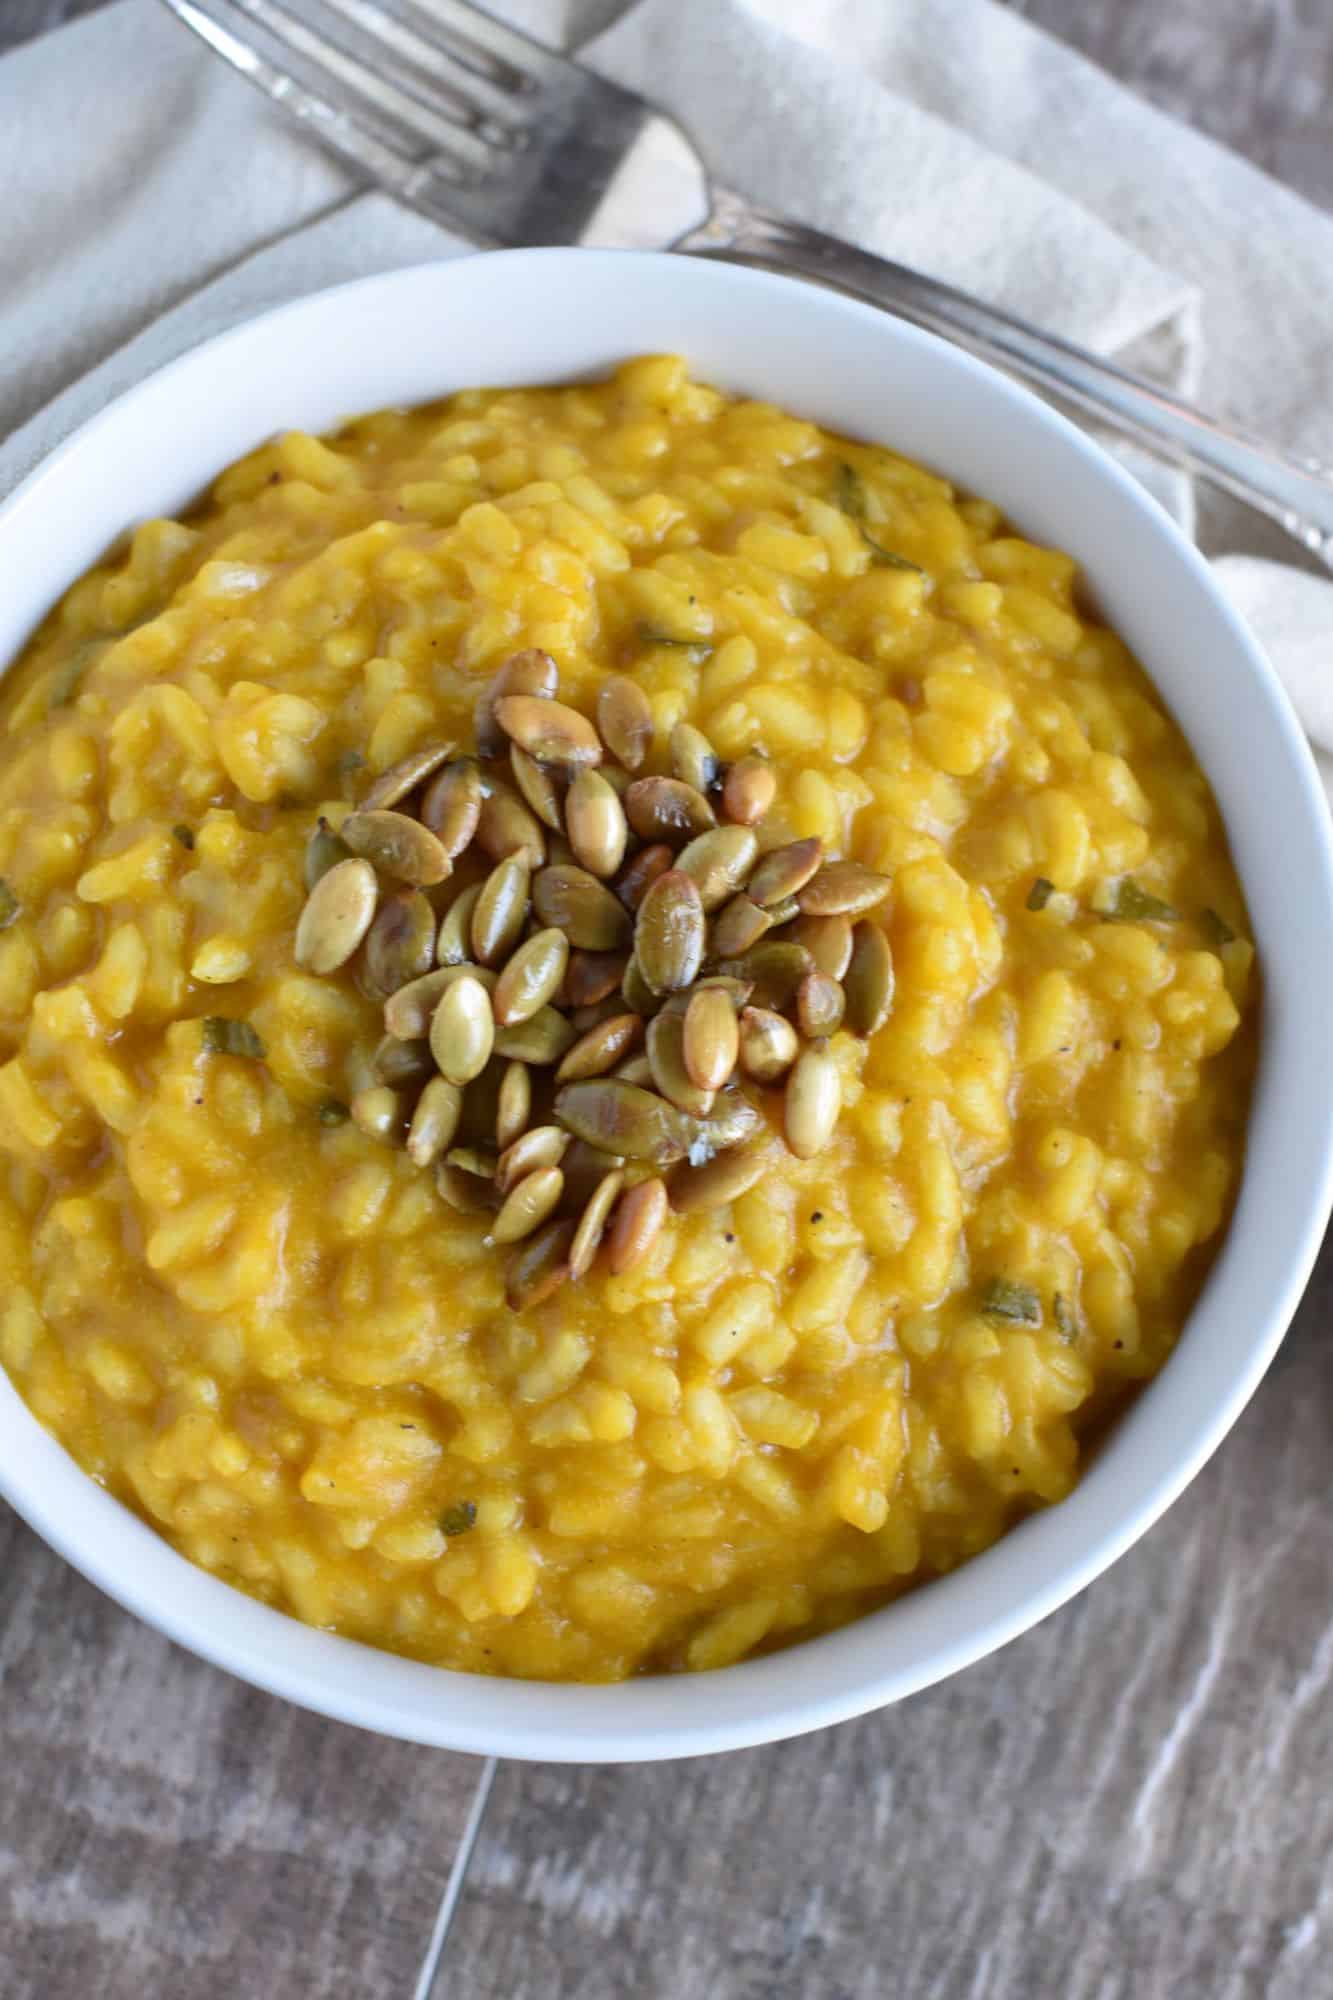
(1133, 904)
(1017, 1304)
(333, 1112)
(10, 906)
(1039, 895)
(65, 683)
(184, 836)
(652, 635)
(232, 1038)
(1064, 1319)
(1217, 931)
(456, 1520)
(850, 495)
(350, 761)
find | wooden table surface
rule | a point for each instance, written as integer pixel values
(1135, 1800)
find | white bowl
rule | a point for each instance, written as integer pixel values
(536, 316)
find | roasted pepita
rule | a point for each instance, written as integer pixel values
(505, 827)
(666, 1060)
(748, 791)
(828, 941)
(768, 1045)
(451, 806)
(397, 845)
(501, 911)
(820, 1005)
(548, 730)
(693, 758)
(323, 850)
(621, 1118)
(408, 1012)
(843, 889)
(400, 944)
(435, 1121)
(669, 932)
(812, 1101)
(468, 1193)
(592, 1223)
(784, 871)
(636, 992)
(636, 1225)
(595, 823)
(635, 1069)
(401, 1064)
(404, 776)
(774, 969)
(379, 1113)
(542, 1146)
(513, 1104)
(636, 878)
(572, 900)
(462, 1030)
(718, 862)
(540, 1267)
(592, 976)
(338, 912)
(537, 785)
(738, 925)
(532, 977)
(601, 1048)
(709, 1038)
(667, 809)
(527, 1207)
(530, 672)
(719, 1181)
(625, 720)
(869, 980)
(454, 944)
(541, 1040)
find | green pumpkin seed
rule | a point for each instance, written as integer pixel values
(435, 1122)
(583, 908)
(584, 1018)
(338, 912)
(408, 1012)
(636, 1225)
(548, 730)
(541, 1040)
(454, 943)
(820, 1005)
(540, 1267)
(404, 776)
(812, 1101)
(513, 1104)
(774, 968)
(224, 1037)
(693, 759)
(828, 941)
(635, 1069)
(748, 791)
(768, 1045)
(468, 1193)
(505, 827)
(621, 1118)
(625, 720)
(479, 1161)
(636, 878)
(462, 1030)
(785, 912)
(537, 787)
(737, 926)
(726, 1178)
(732, 1121)
(869, 981)
(596, 824)
(501, 911)
(709, 1038)
(532, 976)
(527, 1207)
(636, 993)
(667, 809)
(452, 805)
(530, 672)
(323, 850)
(719, 862)
(843, 889)
(585, 1168)
(592, 1223)
(400, 944)
(738, 991)
(542, 1146)
(669, 933)
(592, 976)
(784, 871)
(666, 1058)
(380, 1113)
(397, 845)
(601, 1048)
(401, 1064)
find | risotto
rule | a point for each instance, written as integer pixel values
(256, 1279)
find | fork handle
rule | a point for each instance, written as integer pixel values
(1296, 494)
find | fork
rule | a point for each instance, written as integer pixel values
(499, 138)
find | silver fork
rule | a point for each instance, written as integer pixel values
(491, 134)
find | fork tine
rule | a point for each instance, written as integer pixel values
(404, 37)
(511, 59)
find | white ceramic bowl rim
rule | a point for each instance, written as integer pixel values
(551, 315)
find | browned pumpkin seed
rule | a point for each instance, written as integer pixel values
(738, 991)
(785, 912)
(462, 1030)
(540, 1267)
(454, 943)
(843, 889)
(595, 820)
(541, 1146)
(621, 1118)
(537, 786)
(869, 981)
(667, 809)
(718, 862)
(737, 926)
(400, 1064)
(592, 976)
(408, 1012)
(636, 992)
(501, 911)
(617, 778)
(584, 1018)
(669, 933)
(379, 1113)
(480, 1161)
(513, 1104)
(452, 805)
(400, 944)
(635, 1069)
(583, 908)
(636, 1225)
(323, 850)
(592, 1223)
(820, 1005)
(638, 875)
(693, 758)
(397, 845)
(666, 1058)
(732, 1121)
(468, 1193)
(709, 1039)
(338, 912)
(530, 672)
(625, 720)
(548, 730)
(404, 776)
(601, 1048)
(435, 1121)
(810, 1107)
(532, 976)
(718, 1181)
(505, 827)
(774, 968)
(748, 791)
(541, 1040)
(828, 941)
(585, 1168)
(768, 1045)
(527, 1207)
(784, 871)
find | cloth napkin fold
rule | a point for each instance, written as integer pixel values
(949, 133)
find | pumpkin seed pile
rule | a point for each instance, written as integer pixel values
(567, 1048)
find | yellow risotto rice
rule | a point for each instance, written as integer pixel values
(271, 1338)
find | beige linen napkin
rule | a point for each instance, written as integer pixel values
(153, 199)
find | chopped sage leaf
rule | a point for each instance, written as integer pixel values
(1216, 930)
(889, 558)
(456, 1520)
(350, 761)
(1064, 1319)
(698, 649)
(850, 495)
(1018, 1304)
(1039, 895)
(232, 1038)
(184, 836)
(10, 906)
(333, 1112)
(1133, 904)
